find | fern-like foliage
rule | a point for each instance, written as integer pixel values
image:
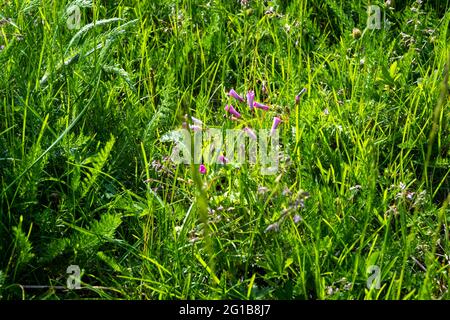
(75, 146)
(98, 161)
(85, 241)
(164, 116)
(99, 232)
(31, 168)
(23, 249)
(112, 263)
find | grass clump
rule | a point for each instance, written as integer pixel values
(86, 177)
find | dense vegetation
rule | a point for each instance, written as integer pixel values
(363, 184)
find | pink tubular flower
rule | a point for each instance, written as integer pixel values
(222, 159)
(250, 133)
(232, 110)
(250, 98)
(202, 169)
(276, 122)
(235, 95)
(260, 106)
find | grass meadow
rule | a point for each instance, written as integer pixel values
(93, 206)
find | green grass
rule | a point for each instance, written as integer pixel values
(86, 180)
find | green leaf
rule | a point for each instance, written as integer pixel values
(98, 162)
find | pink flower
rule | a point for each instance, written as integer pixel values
(202, 169)
(235, 95)
(250, 133)
(260, 106)
(250, 99)
(222, 159)
(297, 97)
(232, 110)
(276, 122)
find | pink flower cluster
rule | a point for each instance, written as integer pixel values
(251, 104)
(235, 115)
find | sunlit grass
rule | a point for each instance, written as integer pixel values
(363, 181)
